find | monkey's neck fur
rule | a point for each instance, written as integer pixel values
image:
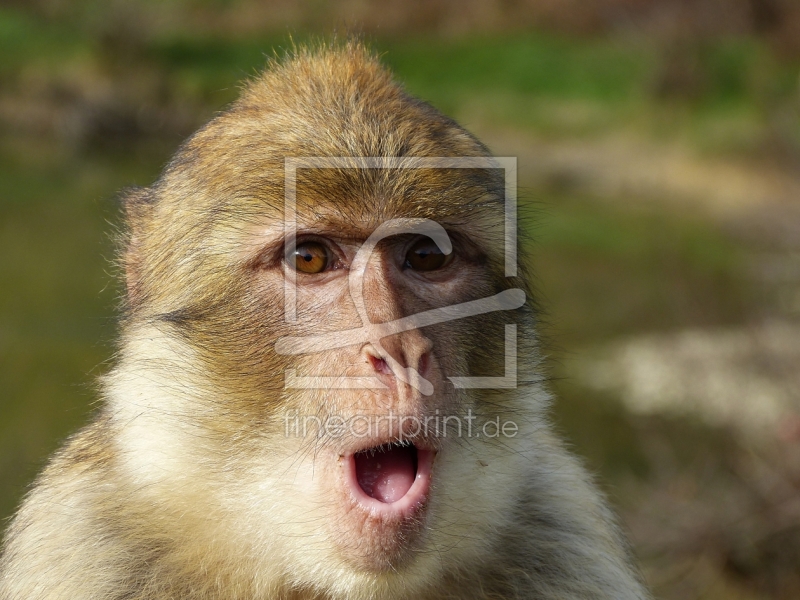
(187, 484)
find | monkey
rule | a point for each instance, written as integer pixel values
(316, 293)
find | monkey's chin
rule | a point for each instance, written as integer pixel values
(387, 487)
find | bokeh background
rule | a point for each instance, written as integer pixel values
(659, 154)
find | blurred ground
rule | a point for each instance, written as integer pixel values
(659, 154)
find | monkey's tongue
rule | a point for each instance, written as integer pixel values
(387, 472)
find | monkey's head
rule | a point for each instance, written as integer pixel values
(309, 286)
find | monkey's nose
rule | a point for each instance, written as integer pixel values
(409, 362)
(388, 354)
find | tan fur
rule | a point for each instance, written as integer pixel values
(186, 486)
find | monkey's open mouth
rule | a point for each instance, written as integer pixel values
(396, 474)
(387, 472)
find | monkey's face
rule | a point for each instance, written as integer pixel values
(369, 419)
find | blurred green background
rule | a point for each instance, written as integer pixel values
(659, 155)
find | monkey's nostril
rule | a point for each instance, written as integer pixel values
(379, 364)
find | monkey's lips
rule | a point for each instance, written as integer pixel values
(393, 478)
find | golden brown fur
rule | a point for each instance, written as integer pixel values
(186, 485)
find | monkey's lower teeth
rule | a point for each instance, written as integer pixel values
(387, 472)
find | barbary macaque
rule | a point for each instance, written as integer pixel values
(328, 382)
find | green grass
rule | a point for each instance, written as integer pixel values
(734, 79)
(25, 41)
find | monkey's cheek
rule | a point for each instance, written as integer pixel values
(379, 536)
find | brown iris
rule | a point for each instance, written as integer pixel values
(310, 257)
(425, 255)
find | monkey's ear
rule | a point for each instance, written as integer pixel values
(137, 206)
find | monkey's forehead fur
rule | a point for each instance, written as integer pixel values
(323, 102)
(329, 101)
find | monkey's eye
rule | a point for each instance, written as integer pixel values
(311, 257)
(425, 255)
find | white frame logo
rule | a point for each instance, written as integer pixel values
(372, 332)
